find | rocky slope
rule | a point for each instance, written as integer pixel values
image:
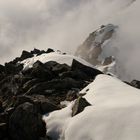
(93, 48)
(48, 82)
(35, 84)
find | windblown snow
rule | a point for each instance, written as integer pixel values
(113, 115)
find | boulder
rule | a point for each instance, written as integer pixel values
(135, 83)
(2, 69)
(55, 84)
(44, 105)
(72, 95)
(57, 68)
(77, 75)
(40, 71)
(91, 72)
(79, 106)
(67, 83)
(35, 51)
(41, 52)
(39, 101)
(30, 84)
(26, 123)
(25, 55)
(11, 68)
(49, 50)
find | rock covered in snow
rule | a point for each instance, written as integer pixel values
(92, 49)
(79, 106)
(35, 84)
(113, 114)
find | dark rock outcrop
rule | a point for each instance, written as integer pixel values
(91, 72)
(26, 123)
(25, 55)
(79, 106)
(39, 101)
(135, 83)
(27, 94)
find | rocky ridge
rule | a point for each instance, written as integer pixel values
(34, 84)
(27, 94)
(92, 49)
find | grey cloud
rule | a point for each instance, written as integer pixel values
(64, 24)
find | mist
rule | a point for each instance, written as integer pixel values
(64, 25)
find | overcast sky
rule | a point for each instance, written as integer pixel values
(59, 24)
(64, 25)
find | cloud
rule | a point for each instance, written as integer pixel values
(64, 25)
(59, 24)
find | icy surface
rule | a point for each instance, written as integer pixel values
(114, 114)
(46, 57)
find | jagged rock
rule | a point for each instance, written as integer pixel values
(92, 47)
(55, 84)
(28, 93)
(41, 103)
(35, 51)
(21, 100)
(2, 69)
(30, 84)
(9, 111)
(91, 72)
(108, 60)
(44, 105)
(26, 123)
(40, 71)
(135, 83)
(61, 84)
(79, 106)
(72, 95)
(77, 74)
(12, 68)
(49, 50)
(57, 68)
(60, 68)
(39, 52)
(25, 55)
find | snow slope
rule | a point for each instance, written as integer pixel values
(46, 57)
(114, 114)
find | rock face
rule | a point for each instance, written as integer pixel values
(92, 48)
(79, 106)
(135, 83)
(27, 94)
(26, 123)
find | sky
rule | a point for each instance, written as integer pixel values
(64, 25)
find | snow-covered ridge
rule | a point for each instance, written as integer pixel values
(92, 50)
(54, 56)
(114, 114)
